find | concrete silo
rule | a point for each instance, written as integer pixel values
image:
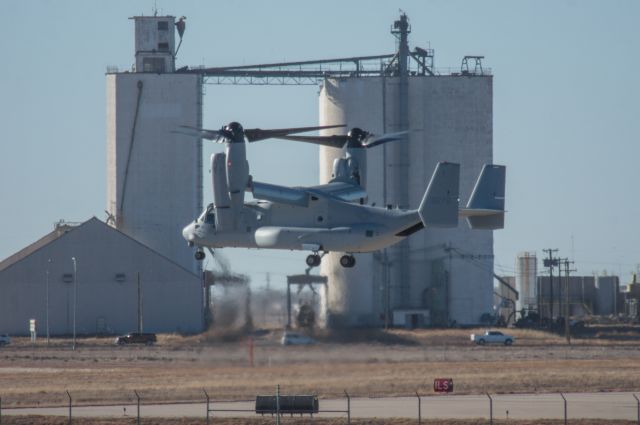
(154, 177)
(436, 276)
(447, 272)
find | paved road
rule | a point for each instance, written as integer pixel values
(520, 406)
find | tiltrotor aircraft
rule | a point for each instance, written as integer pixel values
(332, 216)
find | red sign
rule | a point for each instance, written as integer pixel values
(443, 385)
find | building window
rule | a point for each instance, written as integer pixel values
(67, 277)
(163, 47)
(153, 65)
(120, 277)
(163, 26)
(369, 233)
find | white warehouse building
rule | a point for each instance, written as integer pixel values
(38, 282)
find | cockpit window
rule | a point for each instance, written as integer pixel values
(208, 216)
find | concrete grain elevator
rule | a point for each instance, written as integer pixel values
(154, 176)
(438, 276)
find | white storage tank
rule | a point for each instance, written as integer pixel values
(607, 289)
(526, 277)
(446, 271)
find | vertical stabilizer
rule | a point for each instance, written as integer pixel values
(439, 206)
(485, 209)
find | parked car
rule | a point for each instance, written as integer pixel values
(136, 338)
(492, 337)
(5, 339)
(291, 338)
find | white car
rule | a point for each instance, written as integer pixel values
(492, 337)
(5, 340)
(291, 338)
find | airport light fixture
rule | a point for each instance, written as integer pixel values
(75, 299)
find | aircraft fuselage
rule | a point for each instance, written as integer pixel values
(325, 225)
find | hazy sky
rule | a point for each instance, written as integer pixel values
(566, 107)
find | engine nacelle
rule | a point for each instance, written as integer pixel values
(237, 172)
(351, 168)
(221, 198)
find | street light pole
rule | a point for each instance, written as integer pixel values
(75, 299)
(47, 299)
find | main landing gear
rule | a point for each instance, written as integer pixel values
(313, 260)
(347, 261)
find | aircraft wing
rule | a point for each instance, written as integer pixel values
(300, 195)
(342, 190)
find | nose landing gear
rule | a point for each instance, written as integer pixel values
(347, 261)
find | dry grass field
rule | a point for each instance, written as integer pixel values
(366, 363)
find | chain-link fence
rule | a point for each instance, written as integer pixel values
(611, 406)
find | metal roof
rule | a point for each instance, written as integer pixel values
(61, 230)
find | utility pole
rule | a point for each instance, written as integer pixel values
(560, 287)
(551, 263)
(567, 328)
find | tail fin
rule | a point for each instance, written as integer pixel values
(439, 206)
(485, 209)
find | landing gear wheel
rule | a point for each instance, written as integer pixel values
(199, 255)
(347, 261)
(313, 260)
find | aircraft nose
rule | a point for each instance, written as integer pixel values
(187, 232)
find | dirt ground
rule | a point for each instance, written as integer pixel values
(364, 363)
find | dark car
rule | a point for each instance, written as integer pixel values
(136, 338)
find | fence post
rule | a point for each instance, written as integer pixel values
(207, 396)
(490, 409)
(138, 411)
(565, 408)
(278, 405)
(348, 407)
(69, 395)
(638, 406)
(1, 410)
(419, 409)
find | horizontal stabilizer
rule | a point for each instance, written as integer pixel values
(439, 206)
(485, 209)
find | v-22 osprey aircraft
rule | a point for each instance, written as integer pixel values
(326, 218)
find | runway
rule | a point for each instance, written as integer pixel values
(516, 406)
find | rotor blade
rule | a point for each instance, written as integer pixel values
(200, 132)
(337, 141)
(256, 134)
(384, 138)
